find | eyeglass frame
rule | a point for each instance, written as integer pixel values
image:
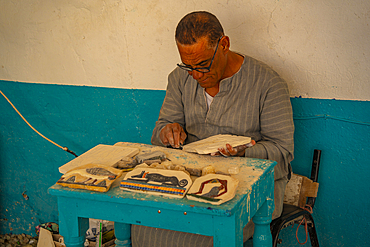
(205, 69)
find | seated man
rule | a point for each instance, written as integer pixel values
(218, 91)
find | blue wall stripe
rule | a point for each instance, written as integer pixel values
(81, 117)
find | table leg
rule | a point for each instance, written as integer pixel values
(73, 230)
(227, 232)
(122, 232)
(262, 234)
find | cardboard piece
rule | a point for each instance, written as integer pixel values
(298, 189)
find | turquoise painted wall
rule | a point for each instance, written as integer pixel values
(81, 117)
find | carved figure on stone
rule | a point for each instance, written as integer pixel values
(155, 177)
(157, 181)
(91, 177)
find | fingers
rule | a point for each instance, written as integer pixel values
(172, 134)
(182, 136)
(230, 151)
(234, 151)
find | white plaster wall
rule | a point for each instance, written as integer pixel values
(320, 47)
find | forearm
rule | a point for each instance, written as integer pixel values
(155, 136)
(257, 151)
(271, 151)
(172, 110)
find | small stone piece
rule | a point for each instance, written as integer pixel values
(208, 170)
(150, 156)
(233, 170)
(143, 165)
(126, 163)
(150, 162)
(223, 173)
(194, 171)
(156, 165)
(180, 168)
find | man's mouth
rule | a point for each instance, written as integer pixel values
(203, 81)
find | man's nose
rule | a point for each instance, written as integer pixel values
(196, 74)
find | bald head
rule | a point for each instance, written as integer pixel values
(197, 25)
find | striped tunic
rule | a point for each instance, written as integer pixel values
(254, 102)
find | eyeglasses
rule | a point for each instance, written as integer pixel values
(201, 69)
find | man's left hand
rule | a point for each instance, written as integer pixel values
(236, 151)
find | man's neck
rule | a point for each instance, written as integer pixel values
(214, 90)
(234, 62)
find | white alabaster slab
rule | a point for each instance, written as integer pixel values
(213, 188)
(211, 144)
(171, 183)
(101, 154)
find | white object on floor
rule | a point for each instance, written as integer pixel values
(211, 144)
(45, 238)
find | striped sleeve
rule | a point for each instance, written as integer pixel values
(172, 110)
(277, 128)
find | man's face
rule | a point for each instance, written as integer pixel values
(200, 55)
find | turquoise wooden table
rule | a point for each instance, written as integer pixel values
(225, 222)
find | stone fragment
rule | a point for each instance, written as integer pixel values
(194, 171)
(150, 162)
(126, 163)
(150, 156)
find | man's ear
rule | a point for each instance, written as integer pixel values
(225, 44)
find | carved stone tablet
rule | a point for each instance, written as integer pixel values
(101, 154)
(90, 177)
(213, 188)
(211, 144)
(157, 181)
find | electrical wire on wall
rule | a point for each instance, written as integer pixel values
(325, 116)
(64, 148)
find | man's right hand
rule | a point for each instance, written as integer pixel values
(172, 134)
